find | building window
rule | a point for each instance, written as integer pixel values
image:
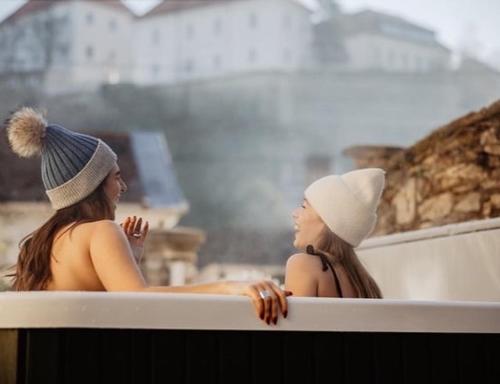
(404, 61)
(63, 50)
(252, 55)
(188, 66)
(90, 18)
(390, 59)
(252, 20)
(112, 57)
(89, 52)
(113, 26)
(287, 56)
(155, 36)
(418, 64)
(217, 27)
(189, 32)
(64, 19)
(217, 62)
(33, 81)
(155, 70)
(287, 21)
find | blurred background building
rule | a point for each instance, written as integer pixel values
(73, 45)
(369, 40)
(64, 46)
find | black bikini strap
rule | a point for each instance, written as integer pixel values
(325, 264)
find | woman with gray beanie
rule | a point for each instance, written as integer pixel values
(81, 247)
(337, 213)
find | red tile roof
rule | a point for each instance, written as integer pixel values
(34, 6)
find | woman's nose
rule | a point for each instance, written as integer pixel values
(295, 213)
(124, 187)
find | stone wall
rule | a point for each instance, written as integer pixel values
(452, 175)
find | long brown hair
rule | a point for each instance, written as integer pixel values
(32, 271)
(337, 250)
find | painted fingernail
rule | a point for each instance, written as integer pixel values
(275, 321)
(285, 314)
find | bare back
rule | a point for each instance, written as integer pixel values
(71, 264)
(305, 277)
(326, 282)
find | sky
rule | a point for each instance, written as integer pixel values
(462, 25)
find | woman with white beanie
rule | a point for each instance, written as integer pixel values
(81, 248)
(337, 213)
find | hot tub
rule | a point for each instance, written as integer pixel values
(439, 322)
(87, 337)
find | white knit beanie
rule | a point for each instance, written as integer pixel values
(348, 203)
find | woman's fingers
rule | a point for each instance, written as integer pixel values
(137, 226)
(128, 224)
(268, 298)
(281, 295)
(275, 300)
(145, 230)
(132, 225)
(258, 304)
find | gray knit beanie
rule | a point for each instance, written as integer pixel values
(73, 164)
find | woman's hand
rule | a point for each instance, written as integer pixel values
(268, 299)
(136, 234)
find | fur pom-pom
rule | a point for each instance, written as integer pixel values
(26, 130)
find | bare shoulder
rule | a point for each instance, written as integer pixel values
(303, 261)
(105, 225)
(301, 275)
(99, 229)
(96, 226)
(87, 229)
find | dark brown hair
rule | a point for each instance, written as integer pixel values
(32, 271)
(337, 250)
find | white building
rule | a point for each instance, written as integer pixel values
(188, 40)
(377, 41)
(81, 44)
(67, 44)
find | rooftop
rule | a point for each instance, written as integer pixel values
(34, 6)
(170, 6)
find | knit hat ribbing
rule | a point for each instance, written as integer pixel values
(73, 164)
(348, 203)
